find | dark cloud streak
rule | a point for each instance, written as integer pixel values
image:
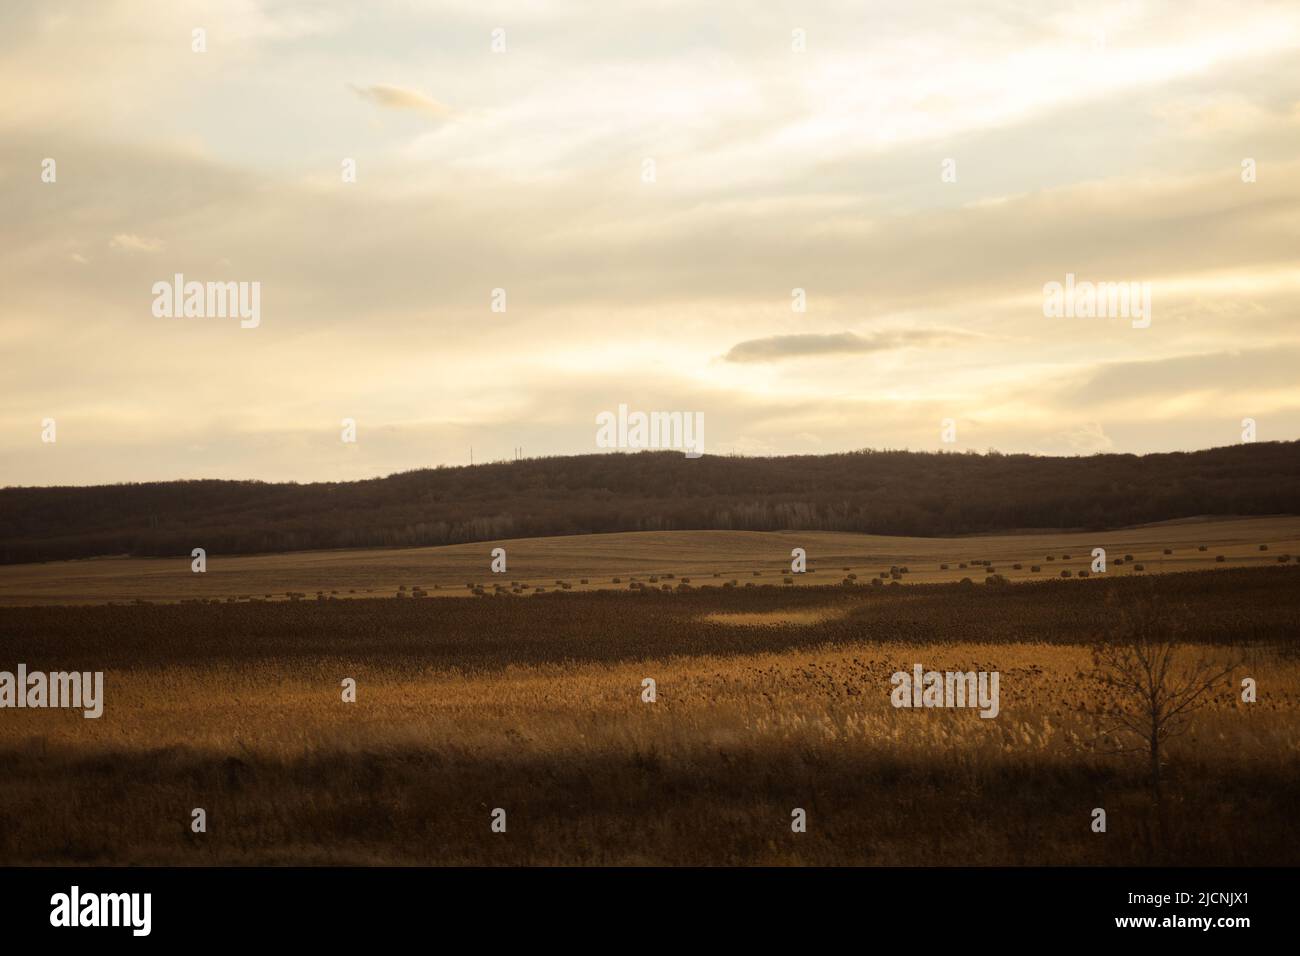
(777, 348)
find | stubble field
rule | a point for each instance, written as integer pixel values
(616, 561)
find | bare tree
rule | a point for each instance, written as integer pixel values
(1156, 682)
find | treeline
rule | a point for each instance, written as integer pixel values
(879, 492)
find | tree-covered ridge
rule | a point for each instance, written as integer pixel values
(878, 492)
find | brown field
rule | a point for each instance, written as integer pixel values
(769, 698)
(706, 557)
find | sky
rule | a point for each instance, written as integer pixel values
(649, 183)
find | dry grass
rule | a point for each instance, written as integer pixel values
(784, 618)
(535, 706)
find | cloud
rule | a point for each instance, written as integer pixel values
(1226, 373)
(129, 242)
(400, 98)
(1087, 438)
(775, 348)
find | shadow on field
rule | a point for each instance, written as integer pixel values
(698, 806)
(1234, 606)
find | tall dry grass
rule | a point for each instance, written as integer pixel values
(458, 713)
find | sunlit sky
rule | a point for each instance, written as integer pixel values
(1100, 139)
